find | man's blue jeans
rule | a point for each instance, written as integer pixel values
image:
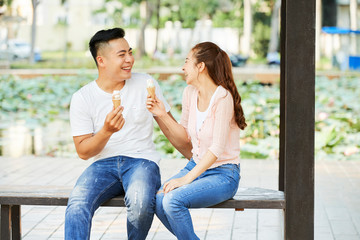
(212, 187)
(138, 179)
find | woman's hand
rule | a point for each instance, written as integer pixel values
(155, 106)
(175, 183)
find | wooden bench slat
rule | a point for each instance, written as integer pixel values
(12, 197)
(255, 197)
(43, 195)
(58, 196)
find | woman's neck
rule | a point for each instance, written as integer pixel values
(206, 90)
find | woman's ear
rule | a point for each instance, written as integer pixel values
(201, 66)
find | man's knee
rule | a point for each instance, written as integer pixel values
(140, 201)
(77, 209)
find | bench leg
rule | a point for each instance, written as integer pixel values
(10, 222)
(5, 222)
(16, 222)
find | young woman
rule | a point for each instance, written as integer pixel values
(211, 120)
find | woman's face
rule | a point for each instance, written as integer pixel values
(190, 69)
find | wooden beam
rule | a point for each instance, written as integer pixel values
(251, 197)
(5, 222)
(297, 116)
(16, 222)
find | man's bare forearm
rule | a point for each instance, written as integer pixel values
(93, 144)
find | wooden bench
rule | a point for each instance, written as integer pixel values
(12, 197)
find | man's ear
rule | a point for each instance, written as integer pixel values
(100, 61)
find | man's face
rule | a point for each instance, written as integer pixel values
(116, 59)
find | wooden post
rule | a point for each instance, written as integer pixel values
(282, 99)
(16, 222)
(5, 222)
(297, 109)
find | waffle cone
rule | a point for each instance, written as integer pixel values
(116, 103)
(151, 91)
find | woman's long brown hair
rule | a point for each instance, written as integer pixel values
(218, 66)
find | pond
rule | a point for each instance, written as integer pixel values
(53, 139)
(34, 116)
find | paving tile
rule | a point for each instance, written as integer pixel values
(323, 229)
(269, 217)
(236, 235)
(246, 222)
(216, 235)
(337, 213)
(269, 233)
(113, 236)
(323, 236)
(356, 221)
(39, 234)
(164, 235)
(337, 202)
(347, 237)
(340, 227)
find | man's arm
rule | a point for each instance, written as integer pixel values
(90, 145)
(176, 134)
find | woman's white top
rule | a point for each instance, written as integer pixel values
(201, 116)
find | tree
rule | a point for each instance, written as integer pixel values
(185, 11)
(261, 26)
(318, 29)
(8, 18)
(248, 24)
(65, 24)
(35, 3)
(157, 8)
(146, 12)
(8, 4)
(274, 35)
(353, 24)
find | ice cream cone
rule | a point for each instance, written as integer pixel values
(151, 88)
(116, 98)
(151, 91)
(116, 103)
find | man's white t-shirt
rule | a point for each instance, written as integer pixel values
(90, 105)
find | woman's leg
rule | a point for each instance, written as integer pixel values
(160, 195)
(212, 187)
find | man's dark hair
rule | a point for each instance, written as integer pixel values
(103, 37)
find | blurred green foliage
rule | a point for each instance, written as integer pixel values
(337, 111)
(38, 100)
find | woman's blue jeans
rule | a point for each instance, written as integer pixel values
(212, 187)
(138, 179)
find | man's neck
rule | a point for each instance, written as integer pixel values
(109, 85)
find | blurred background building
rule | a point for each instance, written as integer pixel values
(167, 28)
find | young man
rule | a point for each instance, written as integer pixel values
(119, 139)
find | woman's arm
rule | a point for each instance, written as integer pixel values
(208, 160)
(176, 134)
(174, 131)
(220, 132)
